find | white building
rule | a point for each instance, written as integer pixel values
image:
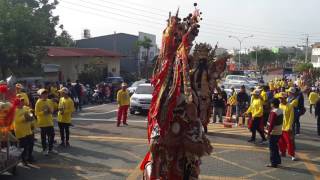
(315, 58)
(153, 50)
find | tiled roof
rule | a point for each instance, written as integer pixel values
(80, 52)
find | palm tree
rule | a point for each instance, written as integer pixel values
(146, 43)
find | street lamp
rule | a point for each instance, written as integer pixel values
(240, 42)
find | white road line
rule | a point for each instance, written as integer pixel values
(106, 120)
(92, 107)
(96, 113)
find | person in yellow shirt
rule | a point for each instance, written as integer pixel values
(19, 92)
(256, 111)
(43, 111)
(66, 108)
(313, 98)
(23, 131)
(271, 86)
(286, 139)
(123, 99)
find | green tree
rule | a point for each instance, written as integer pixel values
(146, 43)
(64, 39)
(26, 27)
(303, 67)
(265, 57)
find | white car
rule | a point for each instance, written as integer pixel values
(134, 86)
(236, 79)
(141, 98)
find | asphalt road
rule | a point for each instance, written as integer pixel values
(100, 150)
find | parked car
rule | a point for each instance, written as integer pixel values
(227, 88)
(141, 98)
(134, 86)
(236, 79)
(114, 81)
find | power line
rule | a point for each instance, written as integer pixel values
(155, 25)
(161, 17)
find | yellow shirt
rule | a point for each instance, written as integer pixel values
(44, 118)
(25, 97)
(54, 91)
(68, 108)
(123, 97)
(233, 99)
(288, 116)
(313, 97)
(271, 86)
(264, 97)
(22, 128)
(256, 107)
(290, 84)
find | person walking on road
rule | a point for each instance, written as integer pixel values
(44, 111)
(313, 98)
(256, 111)
(66, 108)
(274, 131)
(123, 99)
(286, 141)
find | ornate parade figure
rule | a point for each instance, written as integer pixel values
(179, 108)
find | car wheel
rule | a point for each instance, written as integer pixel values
(132, 111)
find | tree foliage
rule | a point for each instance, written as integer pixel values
(92, 75)
(64, 39)
(146, 43)
(303, 67)
(265, 57)
(26, 28)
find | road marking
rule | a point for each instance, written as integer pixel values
(105, 120)
(92, 107)
(96, 113)
(310, 166)
(142, 140)
(233, 163)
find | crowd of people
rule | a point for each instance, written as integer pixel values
(29, 117)
(272, 110)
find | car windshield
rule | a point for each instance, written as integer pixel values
(144, 90)
(114, 80)
(137, 83)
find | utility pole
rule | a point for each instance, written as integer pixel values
(240, 42)
(307, 46)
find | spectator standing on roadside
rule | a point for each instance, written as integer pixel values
(242, 104)
(313, 98)
(274, 131)
(78, 95)
(123, 99)
(224, 97)
(317, 114)
(218, 106)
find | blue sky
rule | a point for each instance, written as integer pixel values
(272, 22)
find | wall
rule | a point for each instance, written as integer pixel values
(125, 44)
(70, 67)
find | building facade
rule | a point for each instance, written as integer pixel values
(61, 64)
(125, 44)
(315, 57)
